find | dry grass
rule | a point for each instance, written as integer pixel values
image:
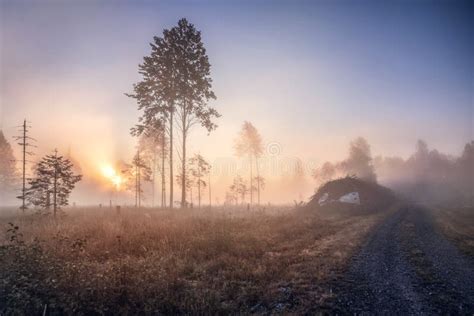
(457, 224)
(219, 261)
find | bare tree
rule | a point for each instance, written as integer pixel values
(25, 141)
(249, 143)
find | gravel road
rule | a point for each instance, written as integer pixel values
(408, 268)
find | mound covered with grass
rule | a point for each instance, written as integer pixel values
(370, 195)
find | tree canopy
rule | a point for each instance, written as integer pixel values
(54, 180)
(176, 86)
(249, 143)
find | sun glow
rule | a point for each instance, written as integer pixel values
(110, 173)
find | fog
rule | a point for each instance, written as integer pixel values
(430, 176)
(426, 176)
(290, 70)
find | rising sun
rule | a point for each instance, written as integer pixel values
(109, 172)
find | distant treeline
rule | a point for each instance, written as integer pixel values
(427, 176)
(430, 176)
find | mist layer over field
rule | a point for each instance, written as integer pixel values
(310, 77)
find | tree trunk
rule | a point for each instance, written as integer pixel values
(153, 180)
(163, 192)
(23, 207)
(210, 201)
(139, 182)
(136, 184)
(258, 182)
(136, 196)
(251, 181)
(48, 200)
(55, 189)
(199, 189)
(183, 174)
(171, 159)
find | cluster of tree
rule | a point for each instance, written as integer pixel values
(152, 145)
(248, 145)
(200, 169)
(173, 93)
(426, 175)
(49, 188)
(136, 173)
(53, 182)
(148, 166)
(8, 172)
(240, 189)
(198, 177)
(359, 163)
(237, 190)
(430, 176)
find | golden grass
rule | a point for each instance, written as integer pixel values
(180, 261)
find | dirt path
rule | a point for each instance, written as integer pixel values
(405, 268)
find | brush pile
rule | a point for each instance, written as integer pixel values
(352, 193)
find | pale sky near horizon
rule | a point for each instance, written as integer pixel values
(310, 75)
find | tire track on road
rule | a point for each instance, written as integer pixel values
(407, 267)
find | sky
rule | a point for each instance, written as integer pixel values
(310, 75)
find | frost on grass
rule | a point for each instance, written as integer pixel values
(176, 261)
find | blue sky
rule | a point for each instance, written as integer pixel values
(310, 75)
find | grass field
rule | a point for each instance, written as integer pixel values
(457, 224)
(181, 261)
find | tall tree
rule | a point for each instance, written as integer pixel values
(156, 94)
(249, 143)
(25, 141)
(7, 167)
(53, 182)
(194, 89)
(152, 145)
(176, 81)
(199, 168)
